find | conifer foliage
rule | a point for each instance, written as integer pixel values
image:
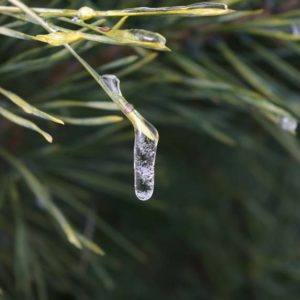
(80, 81)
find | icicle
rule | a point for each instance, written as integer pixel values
(145, 143)
(145, 147)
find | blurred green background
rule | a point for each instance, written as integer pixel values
(224, 219)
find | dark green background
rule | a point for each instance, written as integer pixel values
(224, 219)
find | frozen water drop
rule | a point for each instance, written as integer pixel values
(152, 40)
(40, 204)
(144, 162)
(86, 13)
(148, 36)
(75, 19)
(296, 29)
(113, 83)
(288, 124)
(207, 5)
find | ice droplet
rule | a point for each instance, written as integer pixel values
(207, 5)
(148, 36)
(75, 19)
(40, 204)
(296, 29)
(145, 142)
(113, 83)
(86, 13)
(204, 5)
(288, 124)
